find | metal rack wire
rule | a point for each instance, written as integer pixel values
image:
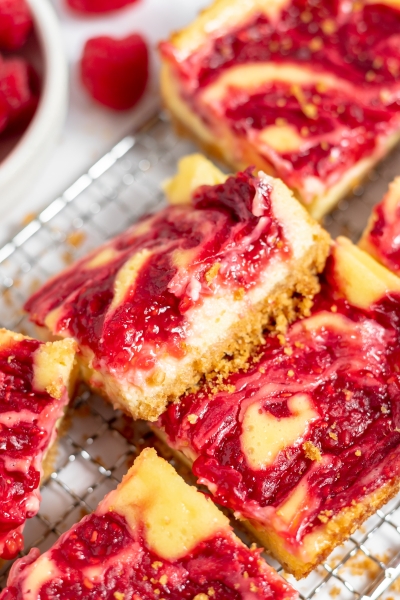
(99, 444)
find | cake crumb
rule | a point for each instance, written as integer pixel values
(192, 419)
(335, 591)
(119, 596)
(211, 592)
(384, 410)
(55, 390)
(288, 351)
(325, 515)
(311, 451)
(212, 272)
(163, 580)
(333, 435)
(360, 565)
(76, 238)
(333, 308)
(238, 294)
(200, 597)
(290, 373)
(28, 218)
(357, 452)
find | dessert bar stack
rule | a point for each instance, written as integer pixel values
(265, 355)
(298, 438)
(185, 293)
(307, 91)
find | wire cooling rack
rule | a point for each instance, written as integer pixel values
(98, 444)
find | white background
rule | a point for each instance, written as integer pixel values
(90, 130)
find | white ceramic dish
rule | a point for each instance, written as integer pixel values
(23, 163)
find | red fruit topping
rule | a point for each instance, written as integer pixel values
(98, 6)
(15, 24)
(115, 72)
(3, 114)
(18, 93)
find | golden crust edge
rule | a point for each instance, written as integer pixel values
(337, 530)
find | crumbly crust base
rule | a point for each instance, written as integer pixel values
(330, 535)
(292, 298)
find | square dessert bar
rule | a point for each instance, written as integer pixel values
(153, 538)
(164, 302)
(381, 237)
(308, 91)
(35, 380)
(303, 444)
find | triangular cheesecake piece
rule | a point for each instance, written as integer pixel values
(153, 538)
(306, 91)
(304, 442)
(381, 237)
(34, 382)
(164, 302)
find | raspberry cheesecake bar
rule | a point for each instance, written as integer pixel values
(307, 91)
(304, 444)
(152, 538)
(164, 302)
(35, 379)
(381, 237)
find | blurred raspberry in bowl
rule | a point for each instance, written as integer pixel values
(33, 92)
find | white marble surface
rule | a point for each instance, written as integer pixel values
(90, 129)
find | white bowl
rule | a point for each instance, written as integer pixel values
(20, 167)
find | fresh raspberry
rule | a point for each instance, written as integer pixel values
(98, 6)
(19, 92)
(115, 72)
(15, 24)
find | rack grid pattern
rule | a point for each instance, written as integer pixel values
(99, 444)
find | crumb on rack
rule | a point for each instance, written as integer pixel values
(76, 238)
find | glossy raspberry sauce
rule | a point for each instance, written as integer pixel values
(122, 565)
(350, 375)
(385, 237)
(341, 132)
(22, 442)
(359, 46)
(219, 227)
